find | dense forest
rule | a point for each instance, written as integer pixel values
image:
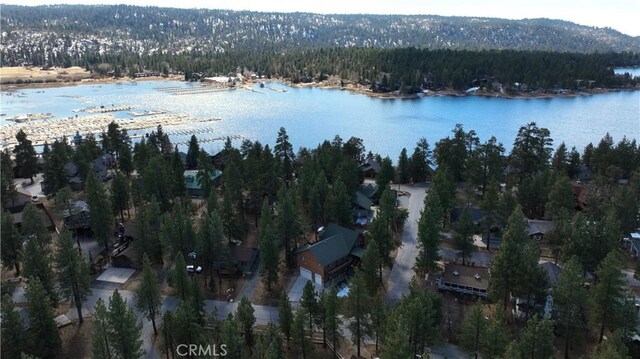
(81, 29)
(287, 195)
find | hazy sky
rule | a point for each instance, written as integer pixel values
(621, 15)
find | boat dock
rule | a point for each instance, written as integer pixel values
(107, 109)
(276, 89)
(49, 130)
(176, 90)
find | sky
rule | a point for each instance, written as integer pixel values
(621, 15)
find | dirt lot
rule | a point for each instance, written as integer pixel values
(76, 339)
(18, 75)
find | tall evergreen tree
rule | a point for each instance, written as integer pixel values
(332, 322)
(561, 198)
(300, 336)
(464, 234)
(120, 195)
(100, 209)
(14, 338)
(504, 273)
(342, 204)
(358, 307)
(370, 267)
(396, 345)
(496, 337)
(211, 247)
(124, 330)
(100, 340)
(11, 244)
(269, 252)
(386, 174)
(535, 342)
(569, 298)
(25, 156)
(473, 331)
(45, 339)
(531, 151)
(246, 320)
(429, 226)
(7, 186)
(285, 315)
(193, 153)
(37, 264)
(404, 167)
(310, 303)
(148, 299)
(287, 223)
(205, 168)
(609, 293)
(181, 278)
(231, 337)
(73, 273)
(443, 185)
(283, 152)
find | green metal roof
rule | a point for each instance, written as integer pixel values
(336, 242)
(362, 201)
(191, 178)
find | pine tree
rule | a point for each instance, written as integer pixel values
(386, 174)
(443, 185)
(125, 160)
(147, 226)
(310, 303)
(285, 315)
(608, 294)
(418, 166)
(44, 332)
(212, 248)
(561, 198)
(569, 297)
(36, 261)
(404, 168)
(25, 156)
(283, 152)
(73, 273)
(269, 252)
(13, 336)
(358, 307)
(504, 268)
(205, 168)
(246, 320)
(342, 213)
(120, 195)
(101, 348)
(474, 330)
(7, 186)
(379, 313)
(181, 278)
(380, 233)
(464, 234)
(124, 330)
(11, 244)
(176, 173)
(300, 337)
(332, 322)
(231, 337)
(613, 348)
(100, 209)
(193, 153)
(396, 344)
(287, 223)
(429, 226)
(370, 266)
(185, 326)
(535, 342)
(148, 299)
(496, 337)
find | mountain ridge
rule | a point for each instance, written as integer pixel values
(79, 29)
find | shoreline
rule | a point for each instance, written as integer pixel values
(351, 88)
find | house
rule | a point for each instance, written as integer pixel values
(552, 272)
(332, 256)
(477, 215)
(632, 244)
(194, 188)
(17, 203)
(370, 168)
(78, 217)
(101, 166)
(245, 259)
(464, 279)
(536, 229)
(362, 212)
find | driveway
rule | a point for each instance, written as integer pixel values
(295, 293)
(402, 271)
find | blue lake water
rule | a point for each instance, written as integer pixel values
(311, 115)
(633, 71)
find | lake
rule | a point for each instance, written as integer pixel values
(311, 115)
(633, 71)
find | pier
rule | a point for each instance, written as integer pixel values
(176, 90)
(40, 132)
(107, 109)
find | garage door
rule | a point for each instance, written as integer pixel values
(319, 280)
(305, 273)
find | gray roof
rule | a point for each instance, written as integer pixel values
(336, 242)
(362, 201)
(466, 276)
(536, 226)
(553, 272)
(370, 164)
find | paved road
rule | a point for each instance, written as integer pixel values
(402, 271)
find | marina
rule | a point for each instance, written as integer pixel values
(43, 131)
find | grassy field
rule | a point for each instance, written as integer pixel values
(19, 75)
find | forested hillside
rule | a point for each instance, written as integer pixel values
(80, 29)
